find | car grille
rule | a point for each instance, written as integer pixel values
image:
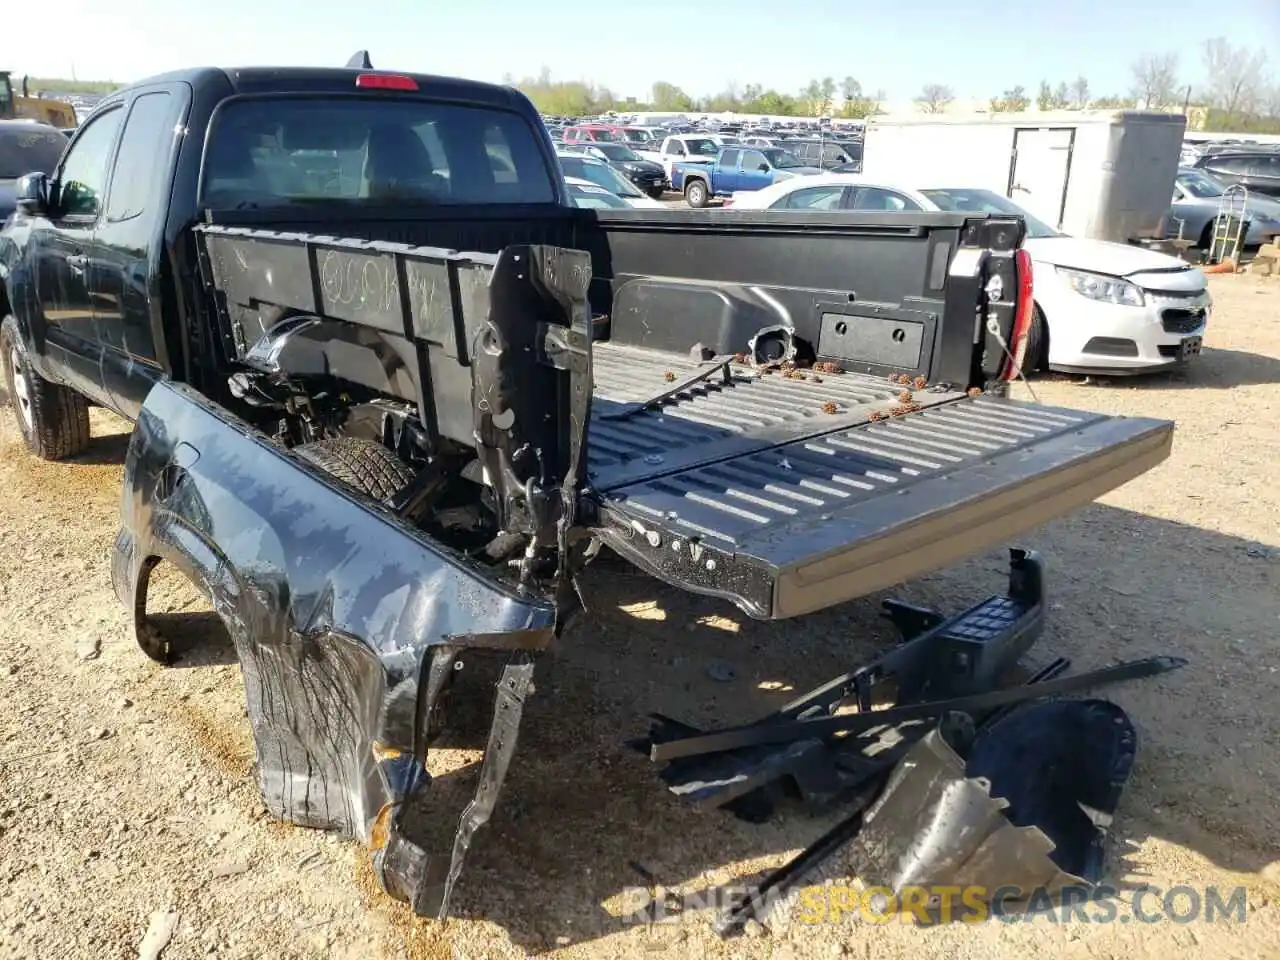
(1182, 321)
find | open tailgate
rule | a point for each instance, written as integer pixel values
(784, 516)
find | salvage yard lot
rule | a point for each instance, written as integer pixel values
(127, 788)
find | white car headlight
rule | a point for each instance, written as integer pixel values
(1098, 286)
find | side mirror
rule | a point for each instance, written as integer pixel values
(763, 168)
(33, 194)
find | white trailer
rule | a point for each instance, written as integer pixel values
(1106, 175)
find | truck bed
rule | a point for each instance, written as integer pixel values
(780, 495)
(749, 491)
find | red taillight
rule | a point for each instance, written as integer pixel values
(1021, 316)
(385, 81)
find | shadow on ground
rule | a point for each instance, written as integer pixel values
(1215, 368)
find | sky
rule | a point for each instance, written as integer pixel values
(700, 45)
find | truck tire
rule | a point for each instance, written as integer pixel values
(1036, 357)
(53, 419)
(367, 466)
(696, 193)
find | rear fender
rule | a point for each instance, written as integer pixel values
(345, 622)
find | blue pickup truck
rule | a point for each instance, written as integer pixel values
(735, 168)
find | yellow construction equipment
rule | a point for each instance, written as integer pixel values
(56, 113)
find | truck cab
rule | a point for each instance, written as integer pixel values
(683, 147)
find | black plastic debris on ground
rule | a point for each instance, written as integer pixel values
(959, 783)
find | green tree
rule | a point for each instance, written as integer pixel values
(1113, 103)
(1079, 93)
(827, 87)
(1048, 98)
(1014, 100)
(667, 96)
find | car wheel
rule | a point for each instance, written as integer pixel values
(695, 193)
(1036, 357)
(367, 466)
(655, 193)
(53, 419)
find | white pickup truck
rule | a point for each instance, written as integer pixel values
(688, 147)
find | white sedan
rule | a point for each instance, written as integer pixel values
(1100, 307)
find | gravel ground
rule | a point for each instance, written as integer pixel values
(127, 789)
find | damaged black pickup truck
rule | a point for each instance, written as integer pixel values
(392, 392)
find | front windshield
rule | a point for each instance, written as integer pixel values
(782, 159)
(617, 151)
(701, 147)
(637, 135)
(985, 201)
(29, 150)
(1199, 185)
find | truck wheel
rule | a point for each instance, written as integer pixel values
(695, 193)
(54, 419)
(1037, 354)
(367, 466)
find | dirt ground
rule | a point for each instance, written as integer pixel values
(127, 788)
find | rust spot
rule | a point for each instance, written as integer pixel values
(875, 415)
(975, 391)
(826, 366)
(668, 376)
(379, 833)
(920, 383)
(906, 397)
(830, 407)
(741, 358)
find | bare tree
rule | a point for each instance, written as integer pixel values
(1155, 80)
(1235, 77)
(935, 98)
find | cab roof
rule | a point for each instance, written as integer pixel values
(335, 79)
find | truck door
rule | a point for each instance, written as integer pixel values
(1039, 171)
(64, 262)
(127, 250)
(751, 176)
(725, 175)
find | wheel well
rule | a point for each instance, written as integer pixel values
(189, 615)
(694, 178)
(1206, 235)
